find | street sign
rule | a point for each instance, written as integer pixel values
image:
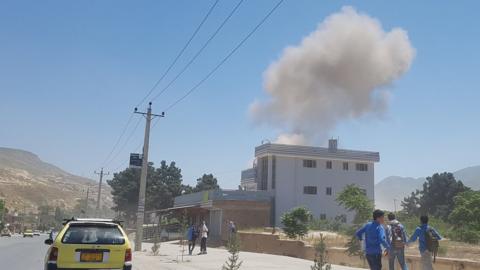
(135, 160)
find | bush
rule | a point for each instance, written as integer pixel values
(321, 259)
(296, 222)
(332, 225)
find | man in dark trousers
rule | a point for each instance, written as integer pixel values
(428, 238)
(375, 238)
(397, 238)
(192, 235)
(204, 235)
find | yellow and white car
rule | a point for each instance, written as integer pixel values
(89, 244)
(28, 233)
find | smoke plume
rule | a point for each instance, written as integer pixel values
(339, 72)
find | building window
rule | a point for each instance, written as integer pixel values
(310, 190)
(264, 173)
(323, 216)
(329, 164)
(328, 191)
(345, 166)
(274, 170)
(309, 163)
(361, 167)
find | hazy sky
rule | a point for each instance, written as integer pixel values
(72, 71)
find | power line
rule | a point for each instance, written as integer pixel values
(180, 53)
(137, 149)
(200, 50)
(119, 138)
(126, 141)
(225, 58)
(197, 29)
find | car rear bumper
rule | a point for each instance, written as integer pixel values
(53, 266)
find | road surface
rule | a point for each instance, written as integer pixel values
(18, 253)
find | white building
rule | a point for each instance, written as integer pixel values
(310, 177)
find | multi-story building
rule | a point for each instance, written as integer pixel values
(310, 176)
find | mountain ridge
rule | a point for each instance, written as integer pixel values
(403, 186)
(27, 182)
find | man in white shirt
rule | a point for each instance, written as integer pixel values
(204, 234)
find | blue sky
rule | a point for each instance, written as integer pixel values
(72, 71)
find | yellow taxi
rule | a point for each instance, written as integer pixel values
(89, 244)
(28, 233)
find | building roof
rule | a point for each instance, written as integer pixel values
(202, 197)
(315, 152)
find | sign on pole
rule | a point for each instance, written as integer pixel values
(135, 160)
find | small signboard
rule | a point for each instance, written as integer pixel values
(135, 160)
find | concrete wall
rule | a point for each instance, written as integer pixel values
(291, 177)
(271, 244)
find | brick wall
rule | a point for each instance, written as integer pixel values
(271, 244)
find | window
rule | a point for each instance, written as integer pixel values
(329, 164)
(274, 169)
(362, 167)
(323, 216)
(309, 163)
(328, 191)
(310, 190)
(93, 234)
(264, 173)
(345, 166)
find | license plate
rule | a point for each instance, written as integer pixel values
(91, 256)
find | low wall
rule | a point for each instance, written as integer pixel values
(271, 244)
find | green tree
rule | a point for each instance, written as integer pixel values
(163, 185)
(321, 259)
(206, 182)
(437, 196)
(465, 217)
(233, 262)
(354, 199)
(296, 222)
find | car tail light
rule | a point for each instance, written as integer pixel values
(52, 257)
(128, 255)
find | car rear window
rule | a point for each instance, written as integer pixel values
(93, 234)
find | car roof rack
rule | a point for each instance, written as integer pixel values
(68, 220)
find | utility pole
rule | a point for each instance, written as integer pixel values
(395, 205)
(143, 176)
(97, 209)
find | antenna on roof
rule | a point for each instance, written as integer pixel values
(265, 141)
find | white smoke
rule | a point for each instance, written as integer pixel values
(338, 72)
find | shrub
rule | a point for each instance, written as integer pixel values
(296, 222)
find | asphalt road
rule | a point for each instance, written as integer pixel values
(18, 253)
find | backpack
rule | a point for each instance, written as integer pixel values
(397, 236)
(431, 242)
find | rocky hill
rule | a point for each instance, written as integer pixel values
(27, 182)
(397, 187)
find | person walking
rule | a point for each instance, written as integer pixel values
(375, 238)
(192, 235)
(232, 228)
(203, 241)
(397, 238)
(428, 239)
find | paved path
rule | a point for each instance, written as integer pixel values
(18, 253)
(170, 259)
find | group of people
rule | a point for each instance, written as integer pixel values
(194, 232)
(393, 237)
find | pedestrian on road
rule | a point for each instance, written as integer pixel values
(374, 240)
(192, 235)
(203, 242)
(232, 228)
(397, 238)
(428, 239)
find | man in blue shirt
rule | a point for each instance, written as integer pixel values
(397, 238)
(420, 234)
(374, 239)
